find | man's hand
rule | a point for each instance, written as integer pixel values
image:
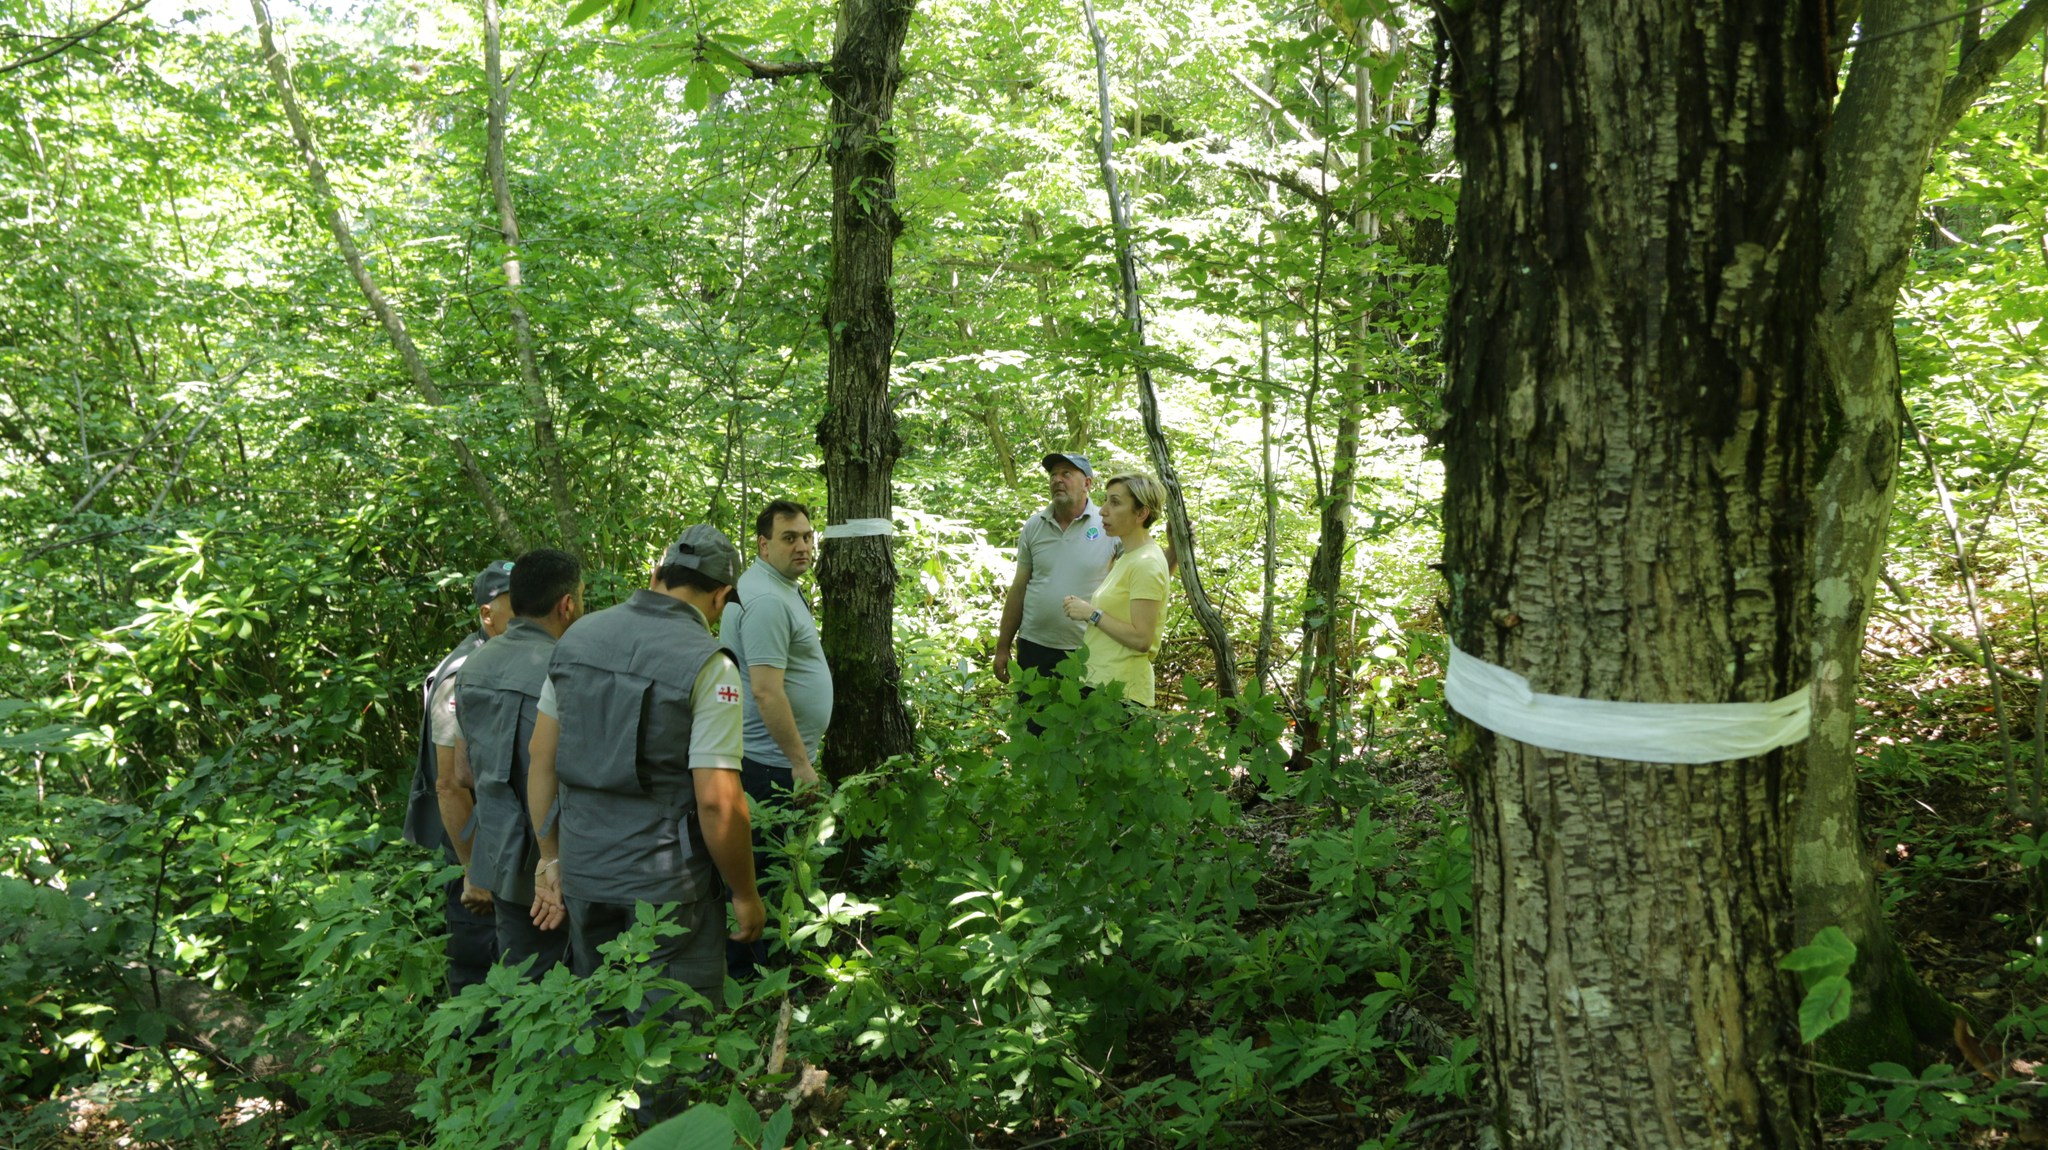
(752, 916)
(1003, 663)
(476, 898)
(548, 909)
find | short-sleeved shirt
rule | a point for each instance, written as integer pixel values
(1140, 574)
(771, 626)
(715, 715)
(441, 724)
(1055, 564)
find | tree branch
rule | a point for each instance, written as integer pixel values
(1991, 56)
(71, 39)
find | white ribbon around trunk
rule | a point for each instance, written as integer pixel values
(1501, 701)
(859, 527)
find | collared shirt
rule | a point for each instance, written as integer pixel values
(1057, 563)
(441, 722)
(771, 626)
(1140, 574)
(716, 713)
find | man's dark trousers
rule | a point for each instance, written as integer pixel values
(520, 940)
(767, 787)
(1044, 660)
(472, 937)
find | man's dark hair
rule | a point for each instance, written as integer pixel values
(676, 575)
(540, 578)
(764, 523)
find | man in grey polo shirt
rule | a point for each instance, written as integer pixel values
(771, 634)
(638, 732)
(1061, 551)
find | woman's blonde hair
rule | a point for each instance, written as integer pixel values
(1145, 491)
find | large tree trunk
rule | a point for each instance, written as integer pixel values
(329, 207)
(537, 402)
(1631, 425)
(857, 573)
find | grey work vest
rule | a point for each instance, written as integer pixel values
(623, 680)
(423, 807)
(496, 699)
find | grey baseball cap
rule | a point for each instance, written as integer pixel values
(494, 580)
(1079, 462)
(705, 548)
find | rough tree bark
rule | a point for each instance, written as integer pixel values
(549, 448)
(857, 574)
(331, 212)
(1178, 528)
(1894, 108)
(1632, 417)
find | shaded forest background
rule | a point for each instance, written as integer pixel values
(239, 527)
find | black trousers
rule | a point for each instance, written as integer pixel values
(1044, 660)
(472, 937)
(768, 787)
(519, 939)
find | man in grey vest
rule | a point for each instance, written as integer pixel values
(438, 810)
(773, 637)
(497, 696)
(638, 732)
(1062, 550)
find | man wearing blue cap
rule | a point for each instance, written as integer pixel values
(443, 798)
(1061, 551)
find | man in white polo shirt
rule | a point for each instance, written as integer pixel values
(1061, 551)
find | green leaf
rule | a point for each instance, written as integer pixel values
(701, 1127)
(1826, 1005)
(1830, 953)
(585, 9)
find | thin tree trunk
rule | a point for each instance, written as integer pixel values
(1269, 542)
(857, 574)
(1632, 418)
(549, 448)
(329, 207)
(1178, 527)
(1894, 108)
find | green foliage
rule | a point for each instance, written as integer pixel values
(1823, 967)
(1924, 1111)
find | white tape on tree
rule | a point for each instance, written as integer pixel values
(1501, 701)
(859, 527)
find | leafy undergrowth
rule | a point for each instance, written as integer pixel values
(1167, 932)
(1147, 932)
(1960, 875)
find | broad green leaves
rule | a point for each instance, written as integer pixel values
(1823, 968)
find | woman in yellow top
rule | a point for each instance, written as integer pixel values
(1124, 618)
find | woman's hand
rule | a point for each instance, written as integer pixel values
(1078, 609)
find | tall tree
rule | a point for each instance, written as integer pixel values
(857, 573)
(1631, 422)
(1179, 528)
(332, 213)
(538, 404)
(1894, 107)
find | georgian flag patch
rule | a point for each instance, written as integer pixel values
(726, 694)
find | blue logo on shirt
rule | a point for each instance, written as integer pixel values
(1094, 532)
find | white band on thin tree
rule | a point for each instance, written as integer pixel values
(858, 527)
(1501, 701)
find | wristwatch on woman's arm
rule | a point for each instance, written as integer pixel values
(1096, 619)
